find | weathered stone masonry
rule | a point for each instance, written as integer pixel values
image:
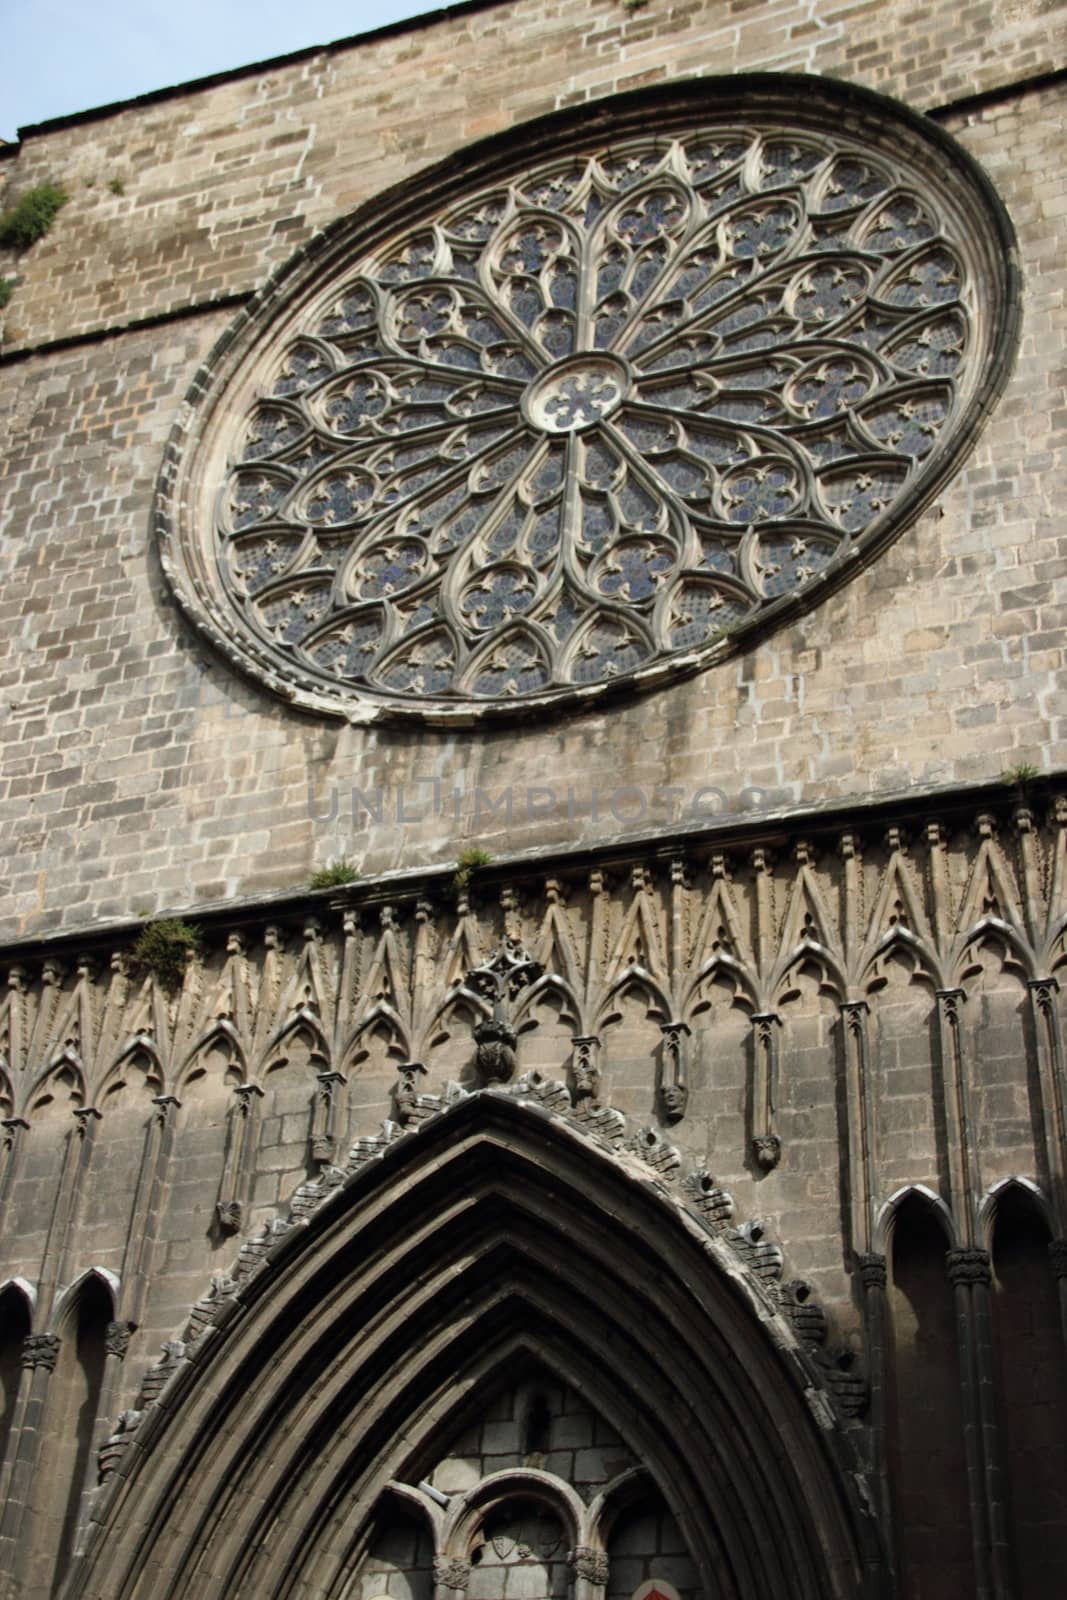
(733, 1217)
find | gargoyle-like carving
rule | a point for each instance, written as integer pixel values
(767, 1150)
(230, 1215)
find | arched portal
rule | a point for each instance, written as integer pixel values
(497, 1241)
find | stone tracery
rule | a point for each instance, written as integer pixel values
(594, 418)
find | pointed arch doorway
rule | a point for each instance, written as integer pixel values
(497, 1270)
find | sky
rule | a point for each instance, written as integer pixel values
(62, 56)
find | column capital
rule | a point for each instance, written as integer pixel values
(969, 1266)
(41, 1350)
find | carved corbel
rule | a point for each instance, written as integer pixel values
(241, 1136)
(674, 1085)
(325, 1114)
(407, 1096)
(585, 1066)
(766, 1143)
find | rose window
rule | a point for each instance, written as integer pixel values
(595, 418)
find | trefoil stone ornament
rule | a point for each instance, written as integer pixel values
(500, 980)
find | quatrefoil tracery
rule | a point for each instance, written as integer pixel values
(595, 419)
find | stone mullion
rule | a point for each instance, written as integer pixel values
(959, 1123)
(1045, 1012)
(137, 1270)
(147, 1209)
(873, 1276)
(77, 1155)
(242, 1137)
(766, 1143)
(1057, 1251)
(970, 1275)
(15, 1130)
(859, 1100)
(42, 1348)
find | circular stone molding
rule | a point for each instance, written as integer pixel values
(592, 404)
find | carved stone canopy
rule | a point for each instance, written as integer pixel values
(592, 405)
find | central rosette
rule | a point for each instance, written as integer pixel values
(576, 393)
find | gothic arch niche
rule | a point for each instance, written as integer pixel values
(66, 1469)
(998, 1020)
(926, 1423)
(1032, 1388)
(901, 995)
(497, 1242)
(14, 1326)
(593, 404)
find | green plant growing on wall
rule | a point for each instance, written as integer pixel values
(334, 874)
(1021, 775)
(7, 289)
(466, 866)
(31, 216)
(163, 949)
(116, 186)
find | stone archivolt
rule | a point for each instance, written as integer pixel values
(590, 418)
(491, 1185)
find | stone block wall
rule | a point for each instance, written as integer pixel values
(798, 889)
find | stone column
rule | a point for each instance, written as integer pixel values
(1057, 1252)
(40, 1352)
(970, 1275)
(873, 1276)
